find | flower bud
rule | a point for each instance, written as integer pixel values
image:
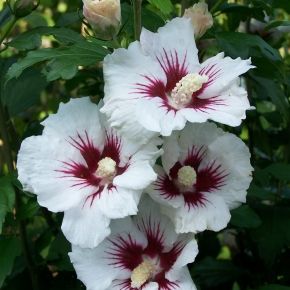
(22, 8)
(200, 17)
(104, 16)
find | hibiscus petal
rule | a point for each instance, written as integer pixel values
(222, 71)
(78, 115)
(213, 215)
(39, 159)
(118, 202)
(176, 36)
(85, 225)
(137, 176)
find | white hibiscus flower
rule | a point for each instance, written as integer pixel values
(158, 84)
(141, 253)
(206, 172)
(81, 167)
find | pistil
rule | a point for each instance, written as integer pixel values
(181, 95)
(186, 176)
(106, 168)
(142, 273)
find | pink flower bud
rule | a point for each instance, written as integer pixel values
(200, 17)
(104, 16)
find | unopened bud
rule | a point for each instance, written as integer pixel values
(22, 8)
(104, 16)
(201, 18)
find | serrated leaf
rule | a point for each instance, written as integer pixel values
(63, 61)
(7, 198)
(245, 217)
(9, 249)
(165, 6)
(32, 39)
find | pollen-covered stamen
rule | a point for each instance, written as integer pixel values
(186, 176)
(142, 273)
(106, 168)
(181, 95)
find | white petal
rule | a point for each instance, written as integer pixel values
(195, 116)
(149, 217)
(213, 215)
(155, 117)
(149, 152)
(156, 194)
(122, 116)
(171, 152)
(151, 286)
(183, 278)
(38, 159)
(91, 268)
(230, 110)
(233, 155)
(233, 111)
(227, 70)
(118, 202)
(94, 266)
(85, 225)
(137, 176)
(198, 135)
(189, 252)
(123, 70)
(175, 36)
(76, 116)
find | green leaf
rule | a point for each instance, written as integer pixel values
(28, 210)
(260, 193)
(165, 6)
(274, 287)
(277, 23)
(271, 89)
(32, 39)
(22, 93)
(243, 45)
(7, 199)
(274, 233)
(245, 217)
(9, 249)
(281, 171)
(63, 61)
(210, 272)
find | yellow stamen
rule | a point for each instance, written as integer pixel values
(186, 176)
(142, 274)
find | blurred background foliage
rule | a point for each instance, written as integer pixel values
(50, 56)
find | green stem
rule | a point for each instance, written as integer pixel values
(137, 6)
(8, 29)
(22, 227)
